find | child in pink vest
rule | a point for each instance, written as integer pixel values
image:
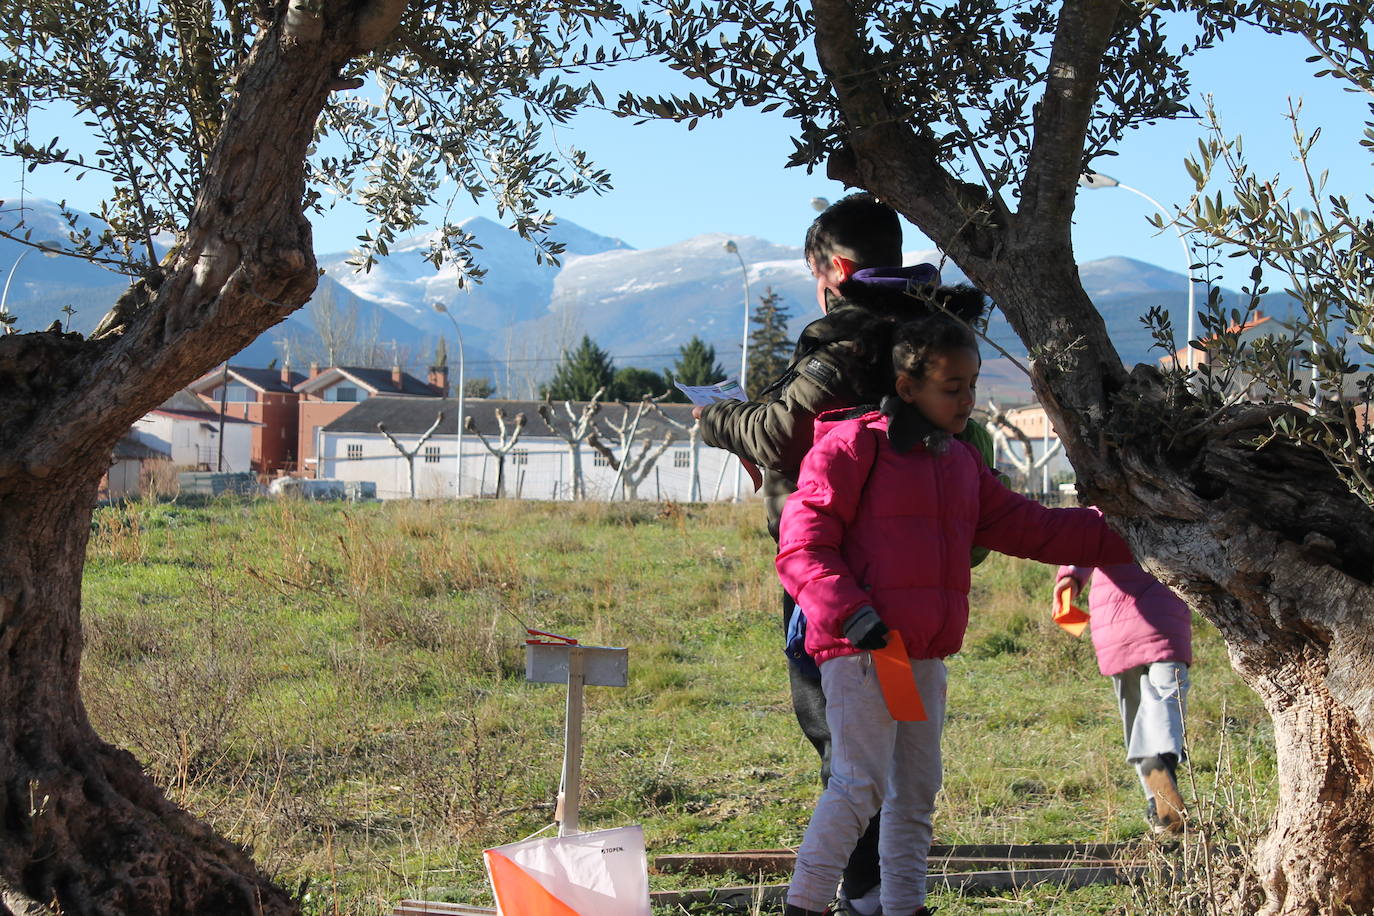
(876, 539)
(1143, 636)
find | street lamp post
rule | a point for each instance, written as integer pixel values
(1094, 180)
(733, 249)
(49, 250)
(458, 473)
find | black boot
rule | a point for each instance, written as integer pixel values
(791, 909)
(1160, 776)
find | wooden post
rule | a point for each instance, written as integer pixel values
(569, 794)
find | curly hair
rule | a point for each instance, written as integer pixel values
(914, 343)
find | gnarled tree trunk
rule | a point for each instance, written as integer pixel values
(85, 831)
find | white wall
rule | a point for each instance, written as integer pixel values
(545, 474)
(190, 444)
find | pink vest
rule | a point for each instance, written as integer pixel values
(1136, 620)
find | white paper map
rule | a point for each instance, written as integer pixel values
(702, 395)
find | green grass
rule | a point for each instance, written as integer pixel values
(342, 688)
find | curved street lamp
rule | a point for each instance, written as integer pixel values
(49, 249)
(733, 249)
(1094, 180)
(458, 473)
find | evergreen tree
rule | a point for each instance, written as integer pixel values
(479, 387)
(632, 383)
(581, 373)
(696, 365)
(770, 346)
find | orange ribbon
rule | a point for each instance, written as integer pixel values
(895, 678)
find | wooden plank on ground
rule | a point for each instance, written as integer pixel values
(745, 862)
(965, 857)
(744, 898)
(1073, 876)
(735, 898)
(435, 908)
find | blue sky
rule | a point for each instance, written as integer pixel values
(728, 176)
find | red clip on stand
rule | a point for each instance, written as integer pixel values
(553, 639)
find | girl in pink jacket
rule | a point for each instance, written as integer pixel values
(877, 539)
(1143, 636)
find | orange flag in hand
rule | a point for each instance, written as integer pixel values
(1074, 620)
(899, 686)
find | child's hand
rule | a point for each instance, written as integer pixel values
(1067, 583)
(865, 629)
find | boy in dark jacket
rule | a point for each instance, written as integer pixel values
(848, 248)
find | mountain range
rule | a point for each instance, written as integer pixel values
(638, 305)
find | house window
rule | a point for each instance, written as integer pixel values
(431, 454)
(355, 450)
(345, 393)
(239, 394)
(682, 458)
(520, 456)
(599, 460)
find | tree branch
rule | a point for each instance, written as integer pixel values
(885, 155)
(1061, 122)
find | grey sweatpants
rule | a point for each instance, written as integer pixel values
(875, 763)
(1153, 700)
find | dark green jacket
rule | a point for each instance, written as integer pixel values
(827, 373)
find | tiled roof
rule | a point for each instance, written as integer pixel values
(268, 380)
(376, 381)
(412, 416)
(206, 416)
(130, 449)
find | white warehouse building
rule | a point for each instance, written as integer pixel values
(538, 466)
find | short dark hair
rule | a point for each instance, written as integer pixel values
(915, 342)
(859, 227)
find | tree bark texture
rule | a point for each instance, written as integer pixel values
(84, 830)
(1267, 543)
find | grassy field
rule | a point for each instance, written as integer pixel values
(342, 689)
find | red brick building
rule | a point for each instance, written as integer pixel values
(264, 396)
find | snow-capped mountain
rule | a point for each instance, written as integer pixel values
(516, 288)
(639, 305)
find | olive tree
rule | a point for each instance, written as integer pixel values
(975, 120)
(220, 126)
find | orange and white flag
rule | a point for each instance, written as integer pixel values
(603, 873)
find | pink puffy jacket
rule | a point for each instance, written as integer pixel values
(870, 526)
(1136, 620)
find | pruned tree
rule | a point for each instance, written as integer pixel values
(506, 439)
(578, 426)
(409, 453)
(1005, 432)
(693, 431)
(218, 126)
(632, 468)
(975, 121)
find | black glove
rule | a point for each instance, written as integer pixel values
(865, 629)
